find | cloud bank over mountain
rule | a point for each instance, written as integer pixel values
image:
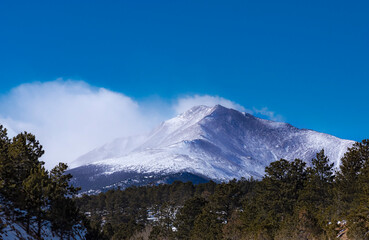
(72, 117)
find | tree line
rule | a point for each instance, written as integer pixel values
(292, 201)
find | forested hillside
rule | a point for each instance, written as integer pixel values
(292, 201)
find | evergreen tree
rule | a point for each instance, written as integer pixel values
(275, 198)
(29, 191)
(23, 155)
(348, 185)
(185, 218)
(353, 190)
(125, 230)
(164, 224)
(282, 184)
(5, 172)
(363, 178)
(225, 199)
(232, 230)
(207, 226)
(317, 196)
(63, 213)
(36, 188)
(358, 221)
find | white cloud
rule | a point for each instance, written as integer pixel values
(187, 102)
(71, 118)
(265, 112)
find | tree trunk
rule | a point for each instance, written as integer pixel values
(28, 222)
(39, 226)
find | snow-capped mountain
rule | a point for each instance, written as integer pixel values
(204, 143)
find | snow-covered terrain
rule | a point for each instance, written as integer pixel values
(213, 142)
(13, 230)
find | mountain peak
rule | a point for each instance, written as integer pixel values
(200, 112)
(206, 110)
(219, 107)
(216, 142)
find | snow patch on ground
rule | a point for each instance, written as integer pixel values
(13, 230)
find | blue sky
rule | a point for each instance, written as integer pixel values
(307, 61)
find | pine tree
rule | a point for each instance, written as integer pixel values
(36, 198)
(26, 185)
(185, 218)
(348, 186)
(63, 212)
(233, 230)
(23, 155)
(275, 198)
(207, 226)
(4, 161)
(283, 182)
(165, 216)
(353, 190)
(316, 198)
(225, 199)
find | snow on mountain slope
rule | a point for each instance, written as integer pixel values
(215, 142)
(160, 136)
(117, 148)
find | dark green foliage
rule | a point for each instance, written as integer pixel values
(4, 148)
(318, 191)
(301, 225)
(19, 156)
(292, 201)
(63, 212)
(297, 202)
(157, 234)
(108, 230)
(94, 231)
(163, 227)
(63, 216)
(283, 181)
(185, 218)
(315, 201)
(26, 185)
(275, 197)
(225, 200)
(233, 229)
(353, 190)
(36, 188)
(350, 177)
(24, 153)
(207, 226)
(126, 230)
(205, 189)
(120, 208)
(358, 220)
